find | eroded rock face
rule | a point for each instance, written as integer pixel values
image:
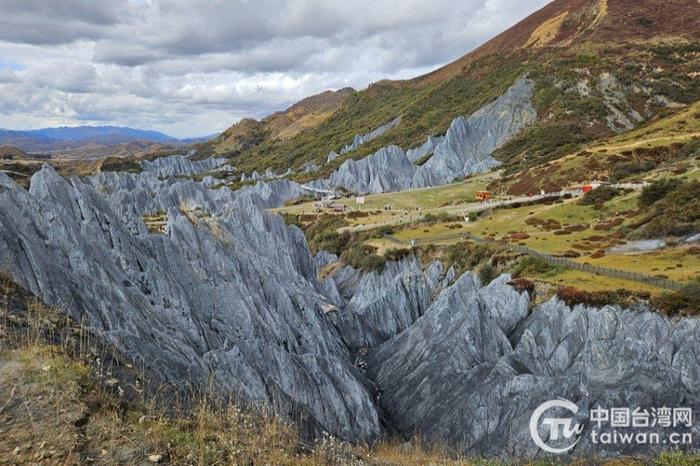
(386, 170)
(428, 147)
(464, 150)
(228, 294)
(474, 368)
(361, 139)
(469, 142)
(273, 193)
(179, 165)
(384, 304)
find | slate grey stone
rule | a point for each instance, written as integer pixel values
(472, 370)
(469, 142)
(428, 147)
(361, 139)
(179, 165)
(228, 294)
(384, 304)
(464, 150)
(273, 193)
(386, 170)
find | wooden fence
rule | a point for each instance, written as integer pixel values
(658, 282)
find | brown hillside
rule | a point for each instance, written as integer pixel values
(307, 113)
(12, 153)
(564, 23)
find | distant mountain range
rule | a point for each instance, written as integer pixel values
(70, 138)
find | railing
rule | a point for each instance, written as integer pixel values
(410, 216)
(658, 282)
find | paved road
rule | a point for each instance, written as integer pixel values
(463, 210)
(410, 216)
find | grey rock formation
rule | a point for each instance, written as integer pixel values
(274, 193)
(365, 138)
(469, 142)
(228, 294)
(386, 170)
(428, 147)
(465, 149)
(639, 246)
(621, 116)
(210, 181)
(178, 165)
(268, 175)
(693, 238)
(384, 304)
(332, 155)
(473, 369)
(309, 167)
(324, 258)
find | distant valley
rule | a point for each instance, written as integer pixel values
(89, 141)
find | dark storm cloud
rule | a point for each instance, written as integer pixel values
(55, 22)
(193, 67)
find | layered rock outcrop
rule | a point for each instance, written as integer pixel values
(273, 193)
(469, 142)
(474, 368)
(465, 149)
(361, 139)
(381, 305)
(229, 294)
(428, 147)
(386, 170)
(179, 165)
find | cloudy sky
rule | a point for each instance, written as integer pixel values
(191, 68)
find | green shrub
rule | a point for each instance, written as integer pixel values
(363, 257)
(487, 273)
(599, 196)
(657, 191)
(531, 265)
(323, 235)
(395, 255)
(440, 217)
(676, 213)
(685, 301)
(624, 170)
(381, 232)
(573, 296)
(466, 255)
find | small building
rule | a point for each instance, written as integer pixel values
(483, 196)
(360, 200)
(587, 188)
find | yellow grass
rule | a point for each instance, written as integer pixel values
(592, 282)
(546, 32)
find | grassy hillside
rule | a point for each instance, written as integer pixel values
(665, 146)
(601, 67)
(305, 114)
(425, 110)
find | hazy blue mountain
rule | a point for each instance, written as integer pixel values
(63, 138)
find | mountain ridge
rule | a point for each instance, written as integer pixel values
(63, 138)
(646, 49)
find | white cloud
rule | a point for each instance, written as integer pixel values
(192, 68)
